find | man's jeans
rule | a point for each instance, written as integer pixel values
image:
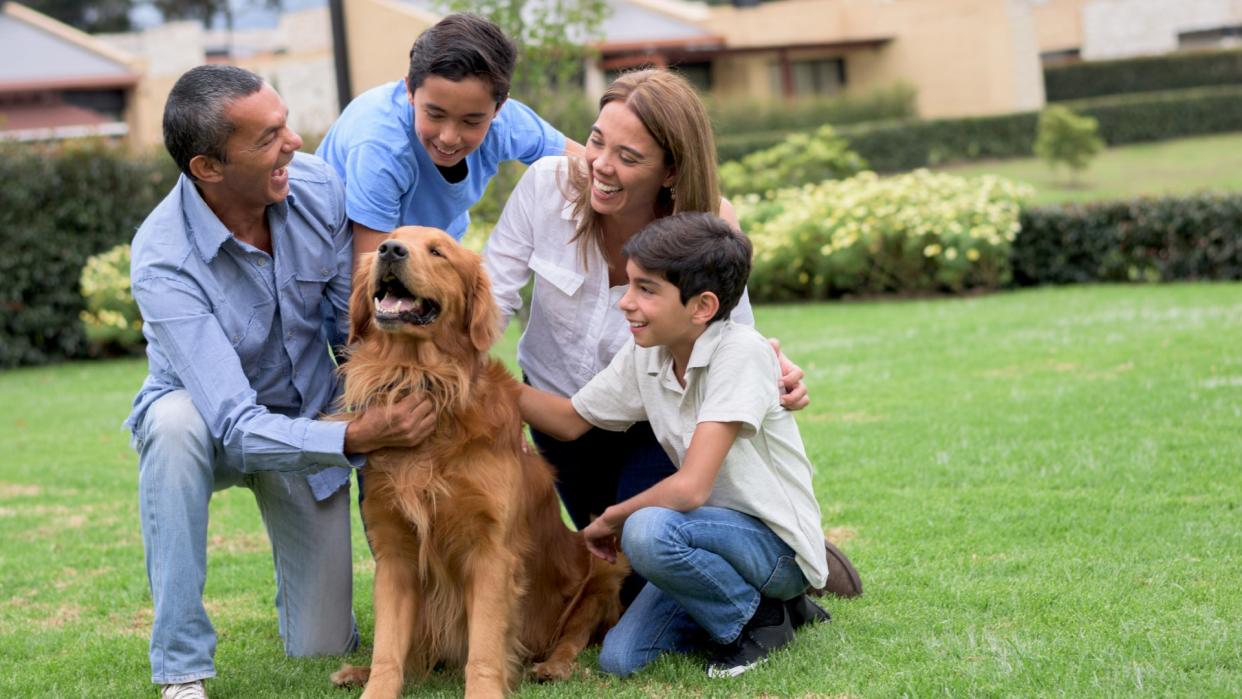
(707, 569)
(180, 465)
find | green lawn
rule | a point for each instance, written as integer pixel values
(1041, 490)
(1166, 168)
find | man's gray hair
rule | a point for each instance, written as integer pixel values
(194, 116)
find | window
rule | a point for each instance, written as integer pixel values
(697, 74)
(820, 76)
(1220, 37)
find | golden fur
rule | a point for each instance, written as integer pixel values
(473, 566)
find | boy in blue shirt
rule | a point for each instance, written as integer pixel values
(421, 151)
(730, 542)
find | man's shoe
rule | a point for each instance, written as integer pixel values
(803, 611)
(187, 690)
(843, 580)
(759, 637)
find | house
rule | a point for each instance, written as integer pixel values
(1071, 30)
(57, 82)
(964, 57)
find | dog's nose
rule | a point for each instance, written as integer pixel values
(392, 251)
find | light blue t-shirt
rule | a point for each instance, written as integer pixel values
(390, 180)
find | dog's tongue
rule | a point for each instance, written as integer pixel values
(394, 304)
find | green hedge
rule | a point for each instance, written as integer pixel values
(59, 206)
(896, 146)
(1146, 74)
(1169, 239)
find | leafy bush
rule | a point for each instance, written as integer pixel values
(59, 206)
(1146, 74)
(111, 317)
(800, 159)
(1065, 138)
(1170, 239)
(918, 232)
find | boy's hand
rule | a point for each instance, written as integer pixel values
(601, 538)
(793, 392)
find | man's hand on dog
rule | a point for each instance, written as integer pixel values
(403, 424)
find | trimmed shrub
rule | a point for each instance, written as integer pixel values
(798, 160)
(919, 232)
(1175, 71)
(59, 206)
(1065, 138)
(739, 117)
(897, 146)
(1146, 240)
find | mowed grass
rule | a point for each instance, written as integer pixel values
(1178, 167)
(1041, 490)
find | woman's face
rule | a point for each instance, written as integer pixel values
(625, 164)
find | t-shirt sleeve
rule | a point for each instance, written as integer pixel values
(527, 136)
(375, 182)
(740, 385)
(611, 400)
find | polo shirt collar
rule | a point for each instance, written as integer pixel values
(657, 359)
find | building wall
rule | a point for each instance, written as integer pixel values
(295, 57)
(1058, 24)
(964, 57)
(379, 34)
(1124, 28)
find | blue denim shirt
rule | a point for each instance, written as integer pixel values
(241, 330)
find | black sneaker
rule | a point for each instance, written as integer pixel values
(803, 611)
(759, 637)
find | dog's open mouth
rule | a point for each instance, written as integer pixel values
(395, 303)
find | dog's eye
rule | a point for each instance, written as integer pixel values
(435, 251)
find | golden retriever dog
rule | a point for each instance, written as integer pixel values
(473, 566)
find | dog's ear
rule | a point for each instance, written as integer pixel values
(360, 307)
(482, 314)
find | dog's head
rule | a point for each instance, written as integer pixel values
(420, 284)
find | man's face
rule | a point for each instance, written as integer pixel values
(259, 150)
(451, 118)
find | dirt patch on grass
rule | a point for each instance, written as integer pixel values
(839, 535)
(237, 543)
(19, 490)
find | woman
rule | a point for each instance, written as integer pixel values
(650, 154)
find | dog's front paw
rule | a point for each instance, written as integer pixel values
(351, 676)
(552, 670)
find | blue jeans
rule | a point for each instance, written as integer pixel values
(180, 466)
(706, 570)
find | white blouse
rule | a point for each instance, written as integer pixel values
(575, 327)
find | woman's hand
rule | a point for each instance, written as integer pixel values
(793, 392)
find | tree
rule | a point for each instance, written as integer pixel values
(88, 15)
(1067, 138)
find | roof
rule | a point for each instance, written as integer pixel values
(39, 53)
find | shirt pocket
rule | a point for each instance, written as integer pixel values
(556, 295)
(309, 286)
(247, 327)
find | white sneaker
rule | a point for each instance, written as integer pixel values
(188, 690)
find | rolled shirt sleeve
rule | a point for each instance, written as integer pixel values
(612, 400)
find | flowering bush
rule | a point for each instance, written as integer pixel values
(800, 159)
(918, 232)
(111, 317)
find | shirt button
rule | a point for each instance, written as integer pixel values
(262, 262)
(237, 338)
(325, 271)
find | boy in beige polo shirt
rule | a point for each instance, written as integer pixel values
(731, 541)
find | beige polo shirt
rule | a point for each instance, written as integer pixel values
(731, 377)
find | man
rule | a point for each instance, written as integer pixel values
(229, 272)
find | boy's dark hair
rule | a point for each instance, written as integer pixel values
(695, 252)
(195, 122)
(461, 46)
